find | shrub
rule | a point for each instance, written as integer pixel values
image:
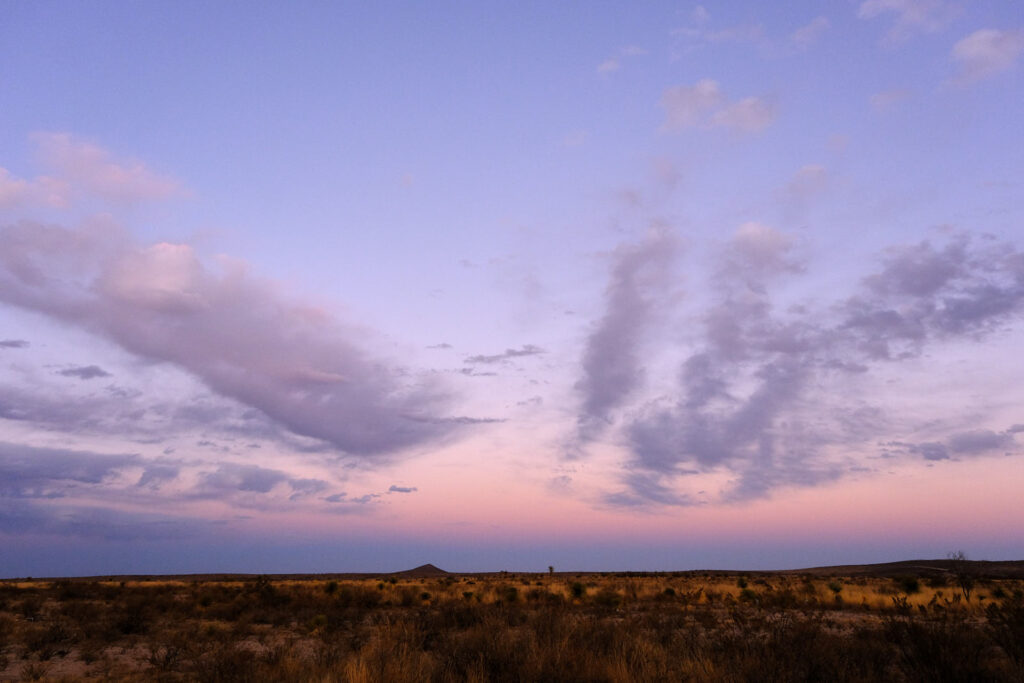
(909, 584)
(47, 640)
(608, 597)
(1006, 627)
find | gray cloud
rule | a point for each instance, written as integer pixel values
(19, 517)
(644, 488)
(65, 412)
(292, 362)
(229, 478)
(158, 473)
(85, 372)
(924, 293)
(980, 441)
(507, 354)
(971, 443)
(612, 367)
(758, 396)
(13, 344)
(38, 488)
(463, 420)
(31, 472)
(252, 486)
(402, 489)
(472, 372)
(306, 487)
(359, 500)
(129, 414)
(42, 491)
(363, 500)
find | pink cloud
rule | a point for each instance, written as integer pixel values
(42, 191)
(705, 105)
(238, 333)
(987, 52)
(96, 171)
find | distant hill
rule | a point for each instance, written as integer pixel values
(982, 569)
(1003, 569)
(424, 571)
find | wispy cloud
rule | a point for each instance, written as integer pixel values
(909, 16)
(808, 34)
(614, 63)
(76, 169)
(986, 53)
(16, 193)
(690, 105)
(344, 499)
(701, 32)
(887, 100)
(807, 184)
(749, 115)
(612, 365)
(705, 105)
(93, 169)
(84, 372)
(507, 354)
(962, 444)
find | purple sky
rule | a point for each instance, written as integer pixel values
(345, 288)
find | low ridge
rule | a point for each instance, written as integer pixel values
(424, 571)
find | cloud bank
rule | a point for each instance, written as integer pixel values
(757, 398)
(239, 334)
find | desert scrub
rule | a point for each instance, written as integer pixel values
(619, 628)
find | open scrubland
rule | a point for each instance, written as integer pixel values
(895, 625)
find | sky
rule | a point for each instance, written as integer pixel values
(328, 287)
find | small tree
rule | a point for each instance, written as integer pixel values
(963, 572)
(551, 570)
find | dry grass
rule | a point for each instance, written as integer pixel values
(586, 627)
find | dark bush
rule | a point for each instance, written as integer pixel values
(909, 584)
(607, 597)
